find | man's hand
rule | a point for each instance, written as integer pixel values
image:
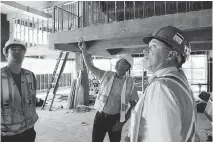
(127, 139)
(82, 45)
(118, 126)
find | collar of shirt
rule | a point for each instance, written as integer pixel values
(161, 72)
(120, 77)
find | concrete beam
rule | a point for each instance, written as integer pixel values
(128, 34)
(138, 27)
(25, 9)
(100, 48)
(197, 36)
(43, 50)
(94, 45)
(200, 46)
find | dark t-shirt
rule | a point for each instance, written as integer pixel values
(17, 80)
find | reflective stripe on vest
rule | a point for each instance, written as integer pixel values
(106, 84)
(105, 87)
(18, 112)
(125, 96)
(184, 102)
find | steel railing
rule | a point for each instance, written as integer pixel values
(88, 13)
(66, 17)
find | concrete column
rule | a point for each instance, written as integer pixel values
(82, 100)
(85, 81)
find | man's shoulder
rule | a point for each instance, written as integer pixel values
(130, 79)
(109, 73)
(4, 71)
(177, 76)
(27, 71)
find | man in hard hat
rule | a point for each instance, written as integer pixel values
(167, 112)
(18, 96)
(115, 93)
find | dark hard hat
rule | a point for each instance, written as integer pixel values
(174, 37)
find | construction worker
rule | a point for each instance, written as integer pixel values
(167, 112)
(115, 93)
(18, 96)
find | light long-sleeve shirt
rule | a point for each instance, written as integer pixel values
(164, 117)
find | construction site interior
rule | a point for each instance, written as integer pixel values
(52, 30)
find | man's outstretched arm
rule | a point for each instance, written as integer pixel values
(97, 72)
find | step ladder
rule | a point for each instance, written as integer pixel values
(55, 78)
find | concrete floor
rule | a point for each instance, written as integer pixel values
(63, 125)
(67, 126)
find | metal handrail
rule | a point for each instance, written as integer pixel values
(101, 12)
(56, 7)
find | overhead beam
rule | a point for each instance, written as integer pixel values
(127, 45)
(194, 35)
(128, 34)
(200, 46)
(135, 28)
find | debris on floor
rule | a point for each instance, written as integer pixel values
(81, 109)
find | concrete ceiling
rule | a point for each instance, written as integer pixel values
(36, 9)
(39, 5)
(30, 8)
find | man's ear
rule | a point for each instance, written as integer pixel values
(172, 54)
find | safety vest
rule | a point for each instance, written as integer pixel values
(18, 112)
(105, 88)
(186, 104)
(185, 101)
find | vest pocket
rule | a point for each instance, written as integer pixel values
(30, 102)
(6, 115)
(30, 111)
(31, 94)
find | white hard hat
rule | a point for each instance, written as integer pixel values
(13, 41)
(128, 58)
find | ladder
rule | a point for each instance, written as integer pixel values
(55, 78)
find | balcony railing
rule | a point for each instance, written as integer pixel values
(88, 13)
(64, 20)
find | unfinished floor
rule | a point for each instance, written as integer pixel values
(62, 125)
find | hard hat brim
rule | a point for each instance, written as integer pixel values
(16, 45)
(21, 45)
(5, 50)
(147, 39)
